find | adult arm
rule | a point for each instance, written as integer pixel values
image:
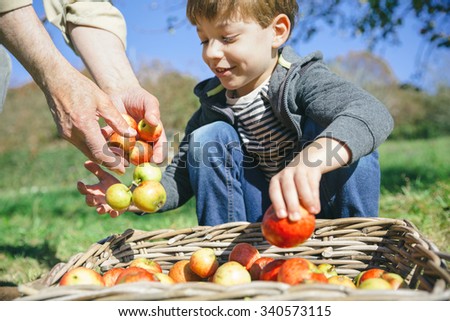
(112, 71)
(75, 102)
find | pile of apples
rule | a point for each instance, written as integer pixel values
(146, 191)
(244, 265)
(137, 149)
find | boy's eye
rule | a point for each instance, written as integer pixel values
(229, 39)
(204, 42)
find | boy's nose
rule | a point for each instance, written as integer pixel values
(214, 50)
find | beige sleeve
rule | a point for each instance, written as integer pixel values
(91, 13)
(9, 5)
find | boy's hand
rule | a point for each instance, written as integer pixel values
(95, 194)
(299, 182)
(296, 184)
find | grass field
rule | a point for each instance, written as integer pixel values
(43, 219)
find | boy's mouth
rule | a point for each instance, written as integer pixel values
(222, 71)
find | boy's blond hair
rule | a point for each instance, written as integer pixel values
(261, 11)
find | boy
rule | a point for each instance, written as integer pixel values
(272, 127)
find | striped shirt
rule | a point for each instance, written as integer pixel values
(264, 137)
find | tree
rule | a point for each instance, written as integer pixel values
(364, 69)
(377, 20)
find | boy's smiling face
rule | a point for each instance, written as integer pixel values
(240, 53)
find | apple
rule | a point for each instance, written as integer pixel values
(124, 143)
(368, 274)
(149, 133)
(316, 277)
(270, 271)
(147, 264)
(82, 275)
(203, 262)
(141, 152)
(245, 254)
(394, 279)
(146, 172)
(110, 276)
(294, 271)
(231, 273)
(180, 272)
(258, 265)
(135, 274)
(164, 278)
(374, 284)
(149, 196)
(342, 280)
(285, 233)
(328, 269)
(118, 196)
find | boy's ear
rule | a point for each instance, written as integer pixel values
(281, 26)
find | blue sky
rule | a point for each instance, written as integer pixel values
(148, 40)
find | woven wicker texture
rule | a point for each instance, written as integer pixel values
(352, 245)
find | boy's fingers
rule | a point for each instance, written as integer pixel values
(276, 197)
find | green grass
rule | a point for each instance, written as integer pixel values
(44, 220)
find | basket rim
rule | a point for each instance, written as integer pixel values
(348, 241)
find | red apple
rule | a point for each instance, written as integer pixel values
(180, 272)
(375, 284)
(149, 196)
(135, 274)
(245, 254)
(317, 277)
(342, 280)
(231, 273)
(270, 271)
(294, 271)
(368, 274)
(141, 152)
(110, 276)
(203, 262)
(146, 172)
(82, 275)
(258, 265)
(285, 233)
(124, 143)
(118, 196)
(148, 132)
(147, 264)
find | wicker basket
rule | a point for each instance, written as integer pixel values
(352, 245)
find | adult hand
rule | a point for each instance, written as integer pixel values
(76, 109)
(95, 194)
(140, 104)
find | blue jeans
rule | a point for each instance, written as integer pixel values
(229, 188)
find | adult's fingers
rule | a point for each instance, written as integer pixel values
(114, 119)
(160, 149)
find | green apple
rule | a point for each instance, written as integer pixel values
(149, 196)
(328, 269)
(118, 196)
(375, 284)
(231, 273)
(394, 279)
(149, 133)
(146, 172)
